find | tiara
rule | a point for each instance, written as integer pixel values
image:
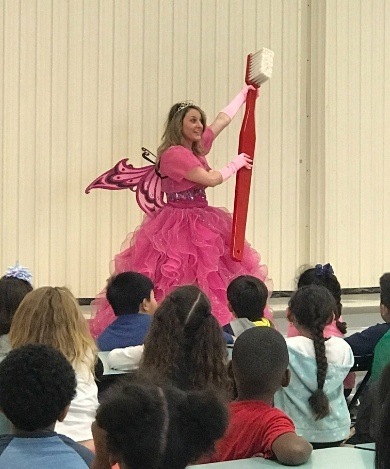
(20, 272)
(183, 105)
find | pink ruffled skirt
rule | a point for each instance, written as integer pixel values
(183, 244)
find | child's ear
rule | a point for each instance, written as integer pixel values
(289, 315)
(148, 305)
(286, 378)
(230, 307)
(144, 305)
(63, 414)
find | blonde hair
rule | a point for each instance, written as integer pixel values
(51, 316)
(173, 129)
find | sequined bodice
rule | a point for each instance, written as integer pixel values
(189, 196)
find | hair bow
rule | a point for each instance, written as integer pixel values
(323, 270)
(20, 272)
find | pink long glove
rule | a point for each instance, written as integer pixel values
(234, 106)
(239, 162)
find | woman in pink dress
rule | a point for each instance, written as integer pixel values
(187, 241)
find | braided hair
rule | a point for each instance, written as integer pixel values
(313, 308)
(185, 345)
(324, 275)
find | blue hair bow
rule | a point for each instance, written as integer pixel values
(323, 270)
(20, 272)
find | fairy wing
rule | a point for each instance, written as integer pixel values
(145, 182)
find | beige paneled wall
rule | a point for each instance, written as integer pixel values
(350, 138)
(86, 83)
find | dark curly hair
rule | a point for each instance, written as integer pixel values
(247, 296)
(36, 384)
(185, 345)
(313, 307)
(12, 292)
(328, 280)
(149, 427)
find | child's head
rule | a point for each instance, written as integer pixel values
(185, 343)
(310, 309)
(52, 316)
(324, 276)
(131, 292)
(247, 296)
(149, 427)
(384, 283)
(37, 384)
(259, 361)
(14, 286)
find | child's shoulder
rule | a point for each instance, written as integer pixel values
(254, 406)
(337, 349)
(299, 342)
(255, 411)
(85, 453)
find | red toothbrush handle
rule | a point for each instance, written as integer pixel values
(243, 179)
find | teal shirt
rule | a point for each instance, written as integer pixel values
(381, 357)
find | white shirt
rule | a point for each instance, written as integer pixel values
(78, 421)
(125, 359)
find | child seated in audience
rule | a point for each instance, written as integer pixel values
(259, 363)
(324, 276)
(37, 384)
(131, 297)
(364, 343)
(184, 345)
(14, 286)
(373, 340)
(314, 398)
(52, 316)
(247, 298)
(144, 426)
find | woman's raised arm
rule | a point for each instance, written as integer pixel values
(226, 115)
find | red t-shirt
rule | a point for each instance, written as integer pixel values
(253, 427)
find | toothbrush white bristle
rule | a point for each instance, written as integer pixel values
(260, 68)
